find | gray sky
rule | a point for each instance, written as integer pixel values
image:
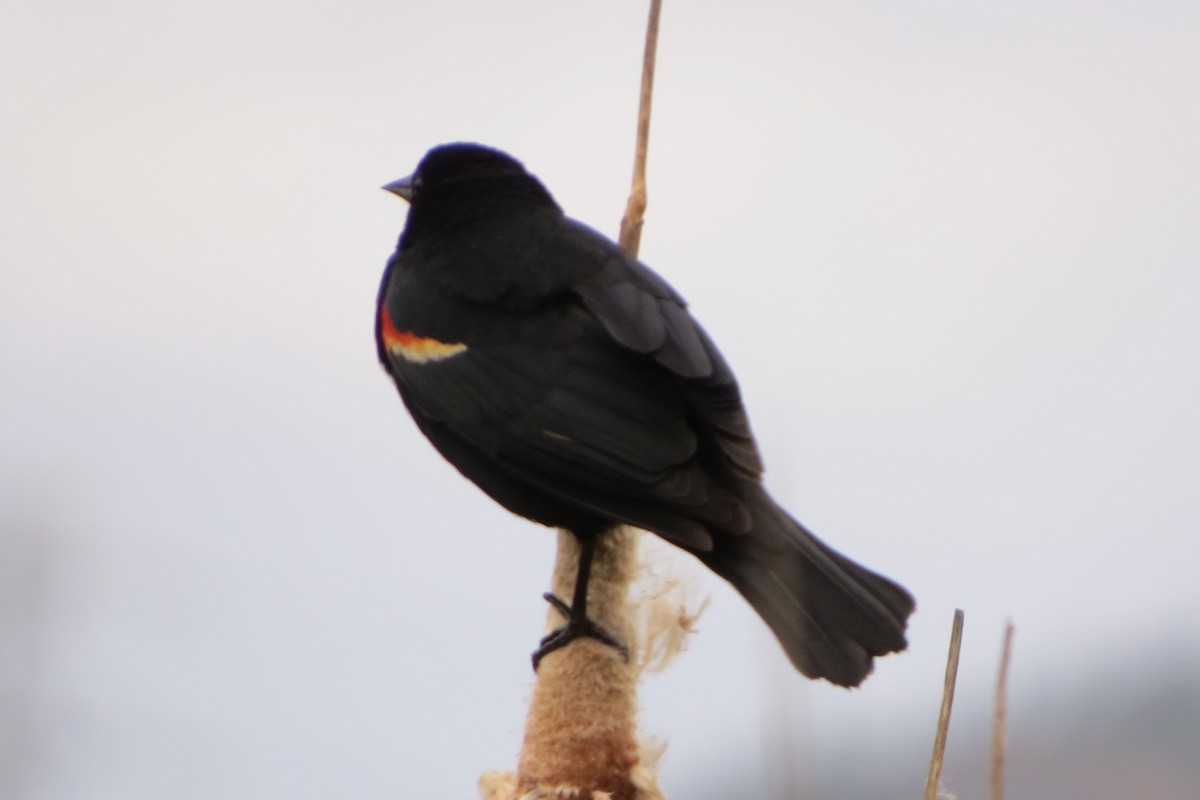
(951, 249)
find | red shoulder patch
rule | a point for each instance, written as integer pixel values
(410, 346)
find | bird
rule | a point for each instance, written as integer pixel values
(571, 383)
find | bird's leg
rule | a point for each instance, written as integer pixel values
(578, 625)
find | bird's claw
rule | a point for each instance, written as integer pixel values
(575, 628)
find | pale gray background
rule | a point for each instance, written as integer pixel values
(951, 248)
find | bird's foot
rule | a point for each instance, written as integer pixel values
(577, 627)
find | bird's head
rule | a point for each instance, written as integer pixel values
(461, 172)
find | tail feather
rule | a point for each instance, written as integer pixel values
(831, 615)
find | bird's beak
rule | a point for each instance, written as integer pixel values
(401, 188)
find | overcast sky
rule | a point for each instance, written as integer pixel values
(951, 249)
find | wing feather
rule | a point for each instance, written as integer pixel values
(606, 393)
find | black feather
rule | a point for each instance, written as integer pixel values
(579, 392)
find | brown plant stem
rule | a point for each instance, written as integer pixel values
(933, 780)
(1000, 717)
(579, 734)
(580, 738)
(635, 209)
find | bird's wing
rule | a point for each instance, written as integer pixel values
(643, 313)
(549, 397)
(605, 388)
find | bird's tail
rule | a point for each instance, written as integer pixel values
(831, 615)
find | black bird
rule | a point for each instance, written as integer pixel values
(570, 383)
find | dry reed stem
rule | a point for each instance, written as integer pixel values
(580, 739)
(999, 719)
(933, 781)
(579, 735)
(635, 208)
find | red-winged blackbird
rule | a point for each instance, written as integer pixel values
(570, 383)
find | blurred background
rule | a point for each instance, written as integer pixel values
(952, 250)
